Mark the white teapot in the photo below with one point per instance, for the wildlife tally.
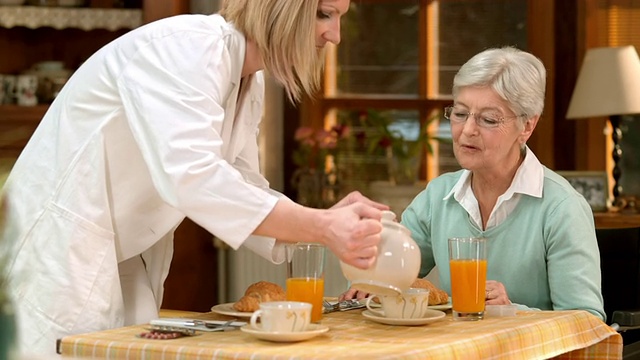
(397, 264)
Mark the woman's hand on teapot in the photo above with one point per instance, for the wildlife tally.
(496, 293)
(353, 294)
(353, 233)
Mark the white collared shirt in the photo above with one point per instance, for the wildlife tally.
(528, 181)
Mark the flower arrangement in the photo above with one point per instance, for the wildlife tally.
(314, 145)
(314, 180)
(403, 152)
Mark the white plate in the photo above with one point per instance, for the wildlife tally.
(442, 307)
(227, 309)
(312, 331)
(431, 316)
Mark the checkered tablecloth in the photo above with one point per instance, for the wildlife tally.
(529, 335)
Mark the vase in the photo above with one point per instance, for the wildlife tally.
(309, 184)
(8, 331)
(403, 170)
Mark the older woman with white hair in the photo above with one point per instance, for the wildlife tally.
(542, 247)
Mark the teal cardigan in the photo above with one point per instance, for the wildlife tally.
(545, 252)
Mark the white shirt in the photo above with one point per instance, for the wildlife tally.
(146, 132)
(528, 180)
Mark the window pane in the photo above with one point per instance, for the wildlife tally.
(469, 26)
(379, 49)
(362, 156)
(380, 52)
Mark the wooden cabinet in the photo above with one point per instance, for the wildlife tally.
(32, 34)
(619, 242)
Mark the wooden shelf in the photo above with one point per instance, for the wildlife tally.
(17, 123)
(609, 220)
(34, 17)
(22, 114)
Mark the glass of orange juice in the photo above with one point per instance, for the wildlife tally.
(468, 270)
(305, 276)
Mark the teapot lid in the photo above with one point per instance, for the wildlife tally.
(389, 220)
(388, 215)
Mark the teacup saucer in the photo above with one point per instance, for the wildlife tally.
(430, 317)
(312, 331)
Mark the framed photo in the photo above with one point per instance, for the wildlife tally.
(593, 185)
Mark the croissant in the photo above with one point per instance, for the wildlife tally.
(257, 293)
(436, 296)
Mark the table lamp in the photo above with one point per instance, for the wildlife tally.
(608, 85)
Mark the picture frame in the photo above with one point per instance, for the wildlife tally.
(593, 185)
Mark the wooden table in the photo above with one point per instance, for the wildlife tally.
(529, 335)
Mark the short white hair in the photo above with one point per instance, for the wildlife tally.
(517, 76)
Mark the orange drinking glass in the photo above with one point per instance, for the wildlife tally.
(468, 270)
(305, 276)
(309, 290)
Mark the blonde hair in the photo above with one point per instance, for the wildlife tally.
(284, 32)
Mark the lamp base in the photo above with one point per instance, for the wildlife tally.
(616, 155)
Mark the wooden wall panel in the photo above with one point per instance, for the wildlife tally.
(541, 34)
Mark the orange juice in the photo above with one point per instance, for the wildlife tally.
(309, 290)
(468, 280)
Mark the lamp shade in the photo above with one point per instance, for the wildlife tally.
(608, 84)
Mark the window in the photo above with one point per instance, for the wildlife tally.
(400, 56)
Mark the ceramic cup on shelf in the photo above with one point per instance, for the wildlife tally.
(52, 75)
(26, 87)
(8, 89)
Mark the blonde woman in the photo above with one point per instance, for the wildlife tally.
(160, 125)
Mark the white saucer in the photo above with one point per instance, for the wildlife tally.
(442, 307)
(227, 309)
(430, 317)
(312, 331)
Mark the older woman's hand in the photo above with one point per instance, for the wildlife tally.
(496, 294)
(353, 294)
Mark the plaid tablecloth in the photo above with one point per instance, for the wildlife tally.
(529, 335)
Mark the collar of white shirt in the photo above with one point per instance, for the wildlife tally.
(527, 181)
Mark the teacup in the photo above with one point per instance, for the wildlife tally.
(282, 316)
(412, 303)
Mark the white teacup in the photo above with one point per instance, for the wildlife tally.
(282, 316)
(413, 303)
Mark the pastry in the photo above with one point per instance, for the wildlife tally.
(436, 296)
(256, 293)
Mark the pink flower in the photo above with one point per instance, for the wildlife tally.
(302, 133)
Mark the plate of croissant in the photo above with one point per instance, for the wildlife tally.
(256, 293)
(438, 298)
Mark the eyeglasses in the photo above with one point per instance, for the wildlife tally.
(484, 120)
